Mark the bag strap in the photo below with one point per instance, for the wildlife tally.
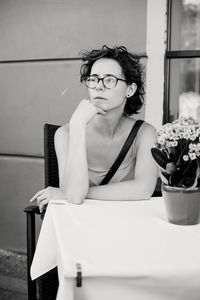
(123, 152)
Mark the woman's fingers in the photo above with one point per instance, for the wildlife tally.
(42, 204)
(44, 196)
(100, 111)
(37, 195)
(99, 108)
(41, 198)
(84, 112)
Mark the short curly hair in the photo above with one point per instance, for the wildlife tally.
(131, 67)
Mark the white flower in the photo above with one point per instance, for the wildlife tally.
(161, 140)
(186, 135)
(191, 147)
(192, 156)
(174, 143)
(193, 137)
(181, 139)
(176, 137)
(168, 144)
(185, 157)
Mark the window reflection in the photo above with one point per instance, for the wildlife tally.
(189, 105)
(185, 25)
(185, 88)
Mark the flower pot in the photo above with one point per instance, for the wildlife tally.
(182, 205)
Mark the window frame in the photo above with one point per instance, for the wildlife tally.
(169, 55)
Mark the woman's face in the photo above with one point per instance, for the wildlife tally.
(108, 99)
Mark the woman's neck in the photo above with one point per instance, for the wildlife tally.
(108, 124)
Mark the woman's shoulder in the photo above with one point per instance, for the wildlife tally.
(62, 133)
(64, 129)
(148, 128)
(145, 126)
(146, 132)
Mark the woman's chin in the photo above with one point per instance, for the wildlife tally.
(98, 102)
(100, 105)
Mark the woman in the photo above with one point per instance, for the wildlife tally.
(87, 146)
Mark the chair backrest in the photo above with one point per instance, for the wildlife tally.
(157, 192)
(47, 284)
(50, 159)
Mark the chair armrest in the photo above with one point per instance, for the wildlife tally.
(32, 209)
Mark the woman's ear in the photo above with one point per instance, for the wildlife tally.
(131, 90)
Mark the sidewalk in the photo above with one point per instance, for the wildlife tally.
(13, 285)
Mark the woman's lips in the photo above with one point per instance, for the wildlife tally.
(100, 98)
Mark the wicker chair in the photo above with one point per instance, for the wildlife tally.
(45, 287)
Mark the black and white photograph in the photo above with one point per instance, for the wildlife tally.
(100, 150)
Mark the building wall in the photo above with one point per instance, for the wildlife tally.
(39, 59)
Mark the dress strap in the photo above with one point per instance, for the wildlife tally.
(123, 152)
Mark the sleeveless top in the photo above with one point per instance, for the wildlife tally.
(124, 172)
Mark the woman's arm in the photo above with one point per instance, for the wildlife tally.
(72, 161)
(70, 149)
(70, 145)
(146, 173)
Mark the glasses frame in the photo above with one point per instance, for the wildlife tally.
(102, 79)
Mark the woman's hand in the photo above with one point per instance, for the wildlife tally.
(85, 112)
(44, 196)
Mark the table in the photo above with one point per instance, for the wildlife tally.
(126, 249)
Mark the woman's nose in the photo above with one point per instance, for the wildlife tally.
(99, 85)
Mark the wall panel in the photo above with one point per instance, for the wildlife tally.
(31, 95)
(20, 179)
(50, 28)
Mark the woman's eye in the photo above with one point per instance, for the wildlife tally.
(92, 79)
(109, 79)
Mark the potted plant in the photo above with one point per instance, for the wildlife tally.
(177, 153)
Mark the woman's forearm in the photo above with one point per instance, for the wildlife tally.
(74, 182)
(125, 190)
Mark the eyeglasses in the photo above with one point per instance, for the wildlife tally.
(109, 82)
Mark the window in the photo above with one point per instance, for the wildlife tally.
(182, 68)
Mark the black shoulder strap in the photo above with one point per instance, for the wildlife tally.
(122, 154)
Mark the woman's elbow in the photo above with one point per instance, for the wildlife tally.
(75, 200)
(75, 196)
(146, 191)
(145, 195)
(73, 193)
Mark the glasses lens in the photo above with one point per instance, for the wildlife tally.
(91, 82)
(110, 82)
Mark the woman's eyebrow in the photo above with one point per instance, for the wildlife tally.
(94, 75)
(107, 74)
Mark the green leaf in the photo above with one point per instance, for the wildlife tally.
(160, 157)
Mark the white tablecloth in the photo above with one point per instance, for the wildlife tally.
(127, 250)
